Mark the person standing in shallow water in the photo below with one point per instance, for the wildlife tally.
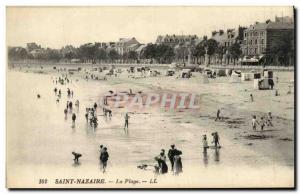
(218, 115)
(177, 165)
(205, 144)
(126, 122)
(172, 153)
(251, 98)
(73, 119)
(104, 158)
(87, 117)
(161, 159)
(216, 139)
(66, 113)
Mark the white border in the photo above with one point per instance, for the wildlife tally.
(5, 3)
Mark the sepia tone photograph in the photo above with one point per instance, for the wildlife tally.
(147, 97)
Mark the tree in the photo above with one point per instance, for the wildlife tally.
(180, 52)
(220, 51)
(211, 46)
(52, 55)
(281, 49)
(88, 52)
(199, 51)
(132, 55)
(235, 51)
(149, 52)
(101, 54)
(17, 53)
(113, 55)
(69, 52)
(164, 53)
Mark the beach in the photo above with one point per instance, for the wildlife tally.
(41, 139)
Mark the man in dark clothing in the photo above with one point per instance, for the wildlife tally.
(216, 139)
(271, 83)
(70, 105)
(251, 98)
(126, 122)
(104, 158)
(66, 113)
(218, 115)
(86, 116)
(76, 156)
(172, 153)
(95, 106)
(73, 119)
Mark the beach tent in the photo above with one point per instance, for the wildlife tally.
(186, 73)
(208, 72)
(236, 72)
(247, 76)
(235, 77)
(220, 72)
(261, 84)
(228, 72)
(268, 74)
(170, 72)
(151, 73)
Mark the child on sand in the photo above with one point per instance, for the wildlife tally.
(254, 123)
(262, 123)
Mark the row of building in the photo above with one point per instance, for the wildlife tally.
(253, 40)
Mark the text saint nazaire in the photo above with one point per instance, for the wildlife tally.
(79, 181)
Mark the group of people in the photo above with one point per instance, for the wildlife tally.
(174, 156)
(103, 157)
(70, 93)
(91, 116)
(69, 109)
(216, 142)
(61, 80)
(262, 123)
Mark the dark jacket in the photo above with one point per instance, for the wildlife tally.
(162, 164)
(104, 156)
(173, 152)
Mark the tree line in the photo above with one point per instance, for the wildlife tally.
(280, 52)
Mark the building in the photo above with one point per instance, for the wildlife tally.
(32, 46)
(285, 19)
(173, 40)
(260, 35)
(219, 36)
(37, 53)
(124, 45)
(140, 50)
(231, 37)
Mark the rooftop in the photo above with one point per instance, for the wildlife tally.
(271, 25)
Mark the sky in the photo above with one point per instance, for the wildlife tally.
(55, 27)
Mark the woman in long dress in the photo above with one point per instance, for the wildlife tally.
(177, 165)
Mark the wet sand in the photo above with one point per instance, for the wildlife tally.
(41, 139)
